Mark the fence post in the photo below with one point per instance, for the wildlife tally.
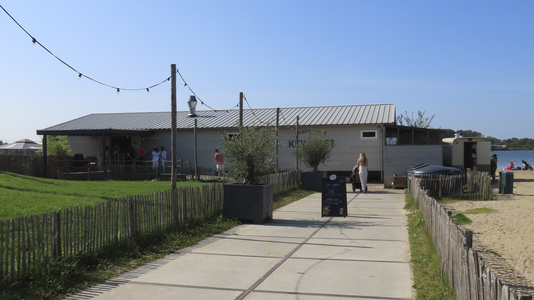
(56, 234)
(469, 238)
(133, 216)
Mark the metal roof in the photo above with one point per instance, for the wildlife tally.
(155, 121)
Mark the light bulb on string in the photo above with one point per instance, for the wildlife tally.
(34, 41)
(118, 91)
(147, 90)
(79, 76)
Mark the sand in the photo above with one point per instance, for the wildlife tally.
(505, 239)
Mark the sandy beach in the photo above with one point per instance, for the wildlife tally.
(505, 239)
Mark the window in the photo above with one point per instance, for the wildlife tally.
(368, 134)
(233, 136)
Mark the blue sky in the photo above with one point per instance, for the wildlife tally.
(469, 63)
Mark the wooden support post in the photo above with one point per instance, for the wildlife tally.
(297, 144)
(276, 140)
(469, 238)
(196, 161)
(173, 125)
(45, 157)
(240, 109)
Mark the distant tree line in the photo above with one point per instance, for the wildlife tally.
(421, 121)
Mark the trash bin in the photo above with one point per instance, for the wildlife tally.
(506, 182)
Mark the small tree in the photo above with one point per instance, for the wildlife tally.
(57, 145)
(251, 153)
(316, 150)
(419, 121)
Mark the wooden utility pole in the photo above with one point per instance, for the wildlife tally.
(297, 143)
(276, 140)
(173, 125)
(240, 109)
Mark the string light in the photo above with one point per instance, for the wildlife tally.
(80, 75)
(244, 97)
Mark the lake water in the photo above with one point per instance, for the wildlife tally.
(506, 156)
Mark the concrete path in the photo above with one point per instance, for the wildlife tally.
(297, 255)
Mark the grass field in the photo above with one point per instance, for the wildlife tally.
(25, 195)
(57, 278)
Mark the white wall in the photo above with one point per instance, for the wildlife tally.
(399, 158)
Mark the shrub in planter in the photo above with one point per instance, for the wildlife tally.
(313, 152)
(316, 150)
(249, 154)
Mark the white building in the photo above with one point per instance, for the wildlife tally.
(372, 129)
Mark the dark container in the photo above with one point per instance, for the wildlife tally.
(248, 202)
(312, 181)
(506, 182)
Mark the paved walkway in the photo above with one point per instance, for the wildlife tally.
(297, 255)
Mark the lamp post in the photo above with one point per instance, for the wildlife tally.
(192, 103)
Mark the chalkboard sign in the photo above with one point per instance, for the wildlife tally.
(334, 197)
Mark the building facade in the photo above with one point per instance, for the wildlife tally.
(352, 129)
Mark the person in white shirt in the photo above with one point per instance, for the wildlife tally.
(155, 158)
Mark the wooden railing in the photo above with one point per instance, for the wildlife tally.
(467, 273)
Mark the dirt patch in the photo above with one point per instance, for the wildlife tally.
(505, 239)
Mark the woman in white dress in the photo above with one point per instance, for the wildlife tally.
(362, 170)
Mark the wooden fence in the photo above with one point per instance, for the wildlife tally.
(31, 165)
(468, 276)
(27, 241)
(282, 180)
(472, 185)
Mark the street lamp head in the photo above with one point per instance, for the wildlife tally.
(192, 106)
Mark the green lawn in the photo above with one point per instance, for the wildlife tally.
(25, 195)
(59, 278)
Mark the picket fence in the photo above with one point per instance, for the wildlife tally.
(467, 273)
(25, 242)
(471, 185)
(282, 180)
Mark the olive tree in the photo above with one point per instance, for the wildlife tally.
(251, 153)
(316, 150)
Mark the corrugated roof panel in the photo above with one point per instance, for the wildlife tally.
(308, 116)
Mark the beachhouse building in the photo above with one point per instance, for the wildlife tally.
(371, 128)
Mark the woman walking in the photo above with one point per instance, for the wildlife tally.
(362, 170)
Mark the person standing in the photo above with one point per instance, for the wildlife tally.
(141, 155)
(155, 158)
(219, 161)
(493, 166)
(362, 170)
(163, 157)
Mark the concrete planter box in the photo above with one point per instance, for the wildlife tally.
(311, 181)
(248, 202)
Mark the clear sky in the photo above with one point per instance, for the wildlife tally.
(469, 63)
